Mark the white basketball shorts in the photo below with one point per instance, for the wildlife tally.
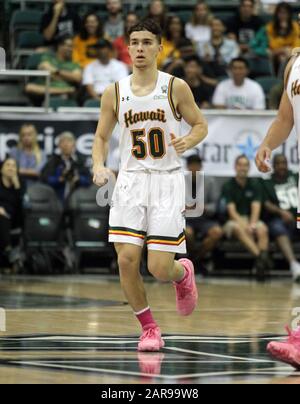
(149, 206)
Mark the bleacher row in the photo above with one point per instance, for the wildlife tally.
(25, 38)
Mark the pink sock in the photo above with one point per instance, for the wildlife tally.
(145, 318)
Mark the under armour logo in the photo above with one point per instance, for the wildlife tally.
(127, 99)
(164, 89)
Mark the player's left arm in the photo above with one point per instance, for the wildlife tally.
(190, 112)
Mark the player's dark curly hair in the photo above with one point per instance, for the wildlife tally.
(148, 25)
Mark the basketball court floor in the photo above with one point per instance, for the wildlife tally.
(79, 329)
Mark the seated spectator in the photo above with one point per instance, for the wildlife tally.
(219, 51)
(200, 86)
(239, 92)
(204, 228)
(60, 21)
(158, 12)
(114, 26)
(91, 33)
(278, 38)
(28, 154)
(281, 202)
(122, 42)
(199, 29)
(98, 75)
(11, 196)
(67, 171)
(65, 74)
(173, 35)
(242, 197)
(244, 26)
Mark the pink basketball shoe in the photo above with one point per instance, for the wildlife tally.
(186, 291)
(151, 340)
(288, 351)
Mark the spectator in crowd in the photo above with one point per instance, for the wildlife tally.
(11, 197)
(242, 197)
(205, 228)
(104, 71)
(244, 26)
(219, 51)
(28, 154)
(114, 26)
(67, 171)
(239, 92)
(58, 22)
(158, 12)
(278, 38)
(122, 42)
(280, 195)
(198, 30)
(199, 84)
(65, 74)
(173, 35)
(91, 32)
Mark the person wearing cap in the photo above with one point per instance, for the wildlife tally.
(106, 70)
(66, 171)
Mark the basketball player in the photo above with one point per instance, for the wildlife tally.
(288, 116)
(149, 106)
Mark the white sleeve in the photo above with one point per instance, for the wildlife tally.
(219, 97)
(88, 76)
(260, 99)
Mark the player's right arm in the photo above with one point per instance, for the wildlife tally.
(280, 128)
(106, 125)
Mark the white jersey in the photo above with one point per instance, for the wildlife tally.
(293, 91)
(146, 125)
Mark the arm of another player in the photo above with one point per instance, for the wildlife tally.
(190, 112)
(279, 130)
(106, 124)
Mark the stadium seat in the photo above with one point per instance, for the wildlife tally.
(11, 94)
(58, 102)
(89, 224)
(267, 83)
(30, 40)
(22, 20)
(43, 237)
(33, 61)
(92, 103)
(261, 67)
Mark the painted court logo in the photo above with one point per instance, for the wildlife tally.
(2, 320)
(2, 59)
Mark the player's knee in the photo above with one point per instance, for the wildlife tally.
(262, 231)
(159, 270)
(126, 262)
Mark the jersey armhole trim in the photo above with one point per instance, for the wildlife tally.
(177, 116)
(117, 89)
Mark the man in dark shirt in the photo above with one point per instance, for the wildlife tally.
(280, 195)
(199, 84)
(67, 171)
(244, 25)
(242, 197)
(59, 21)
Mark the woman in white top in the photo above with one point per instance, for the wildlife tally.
(199, 29)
